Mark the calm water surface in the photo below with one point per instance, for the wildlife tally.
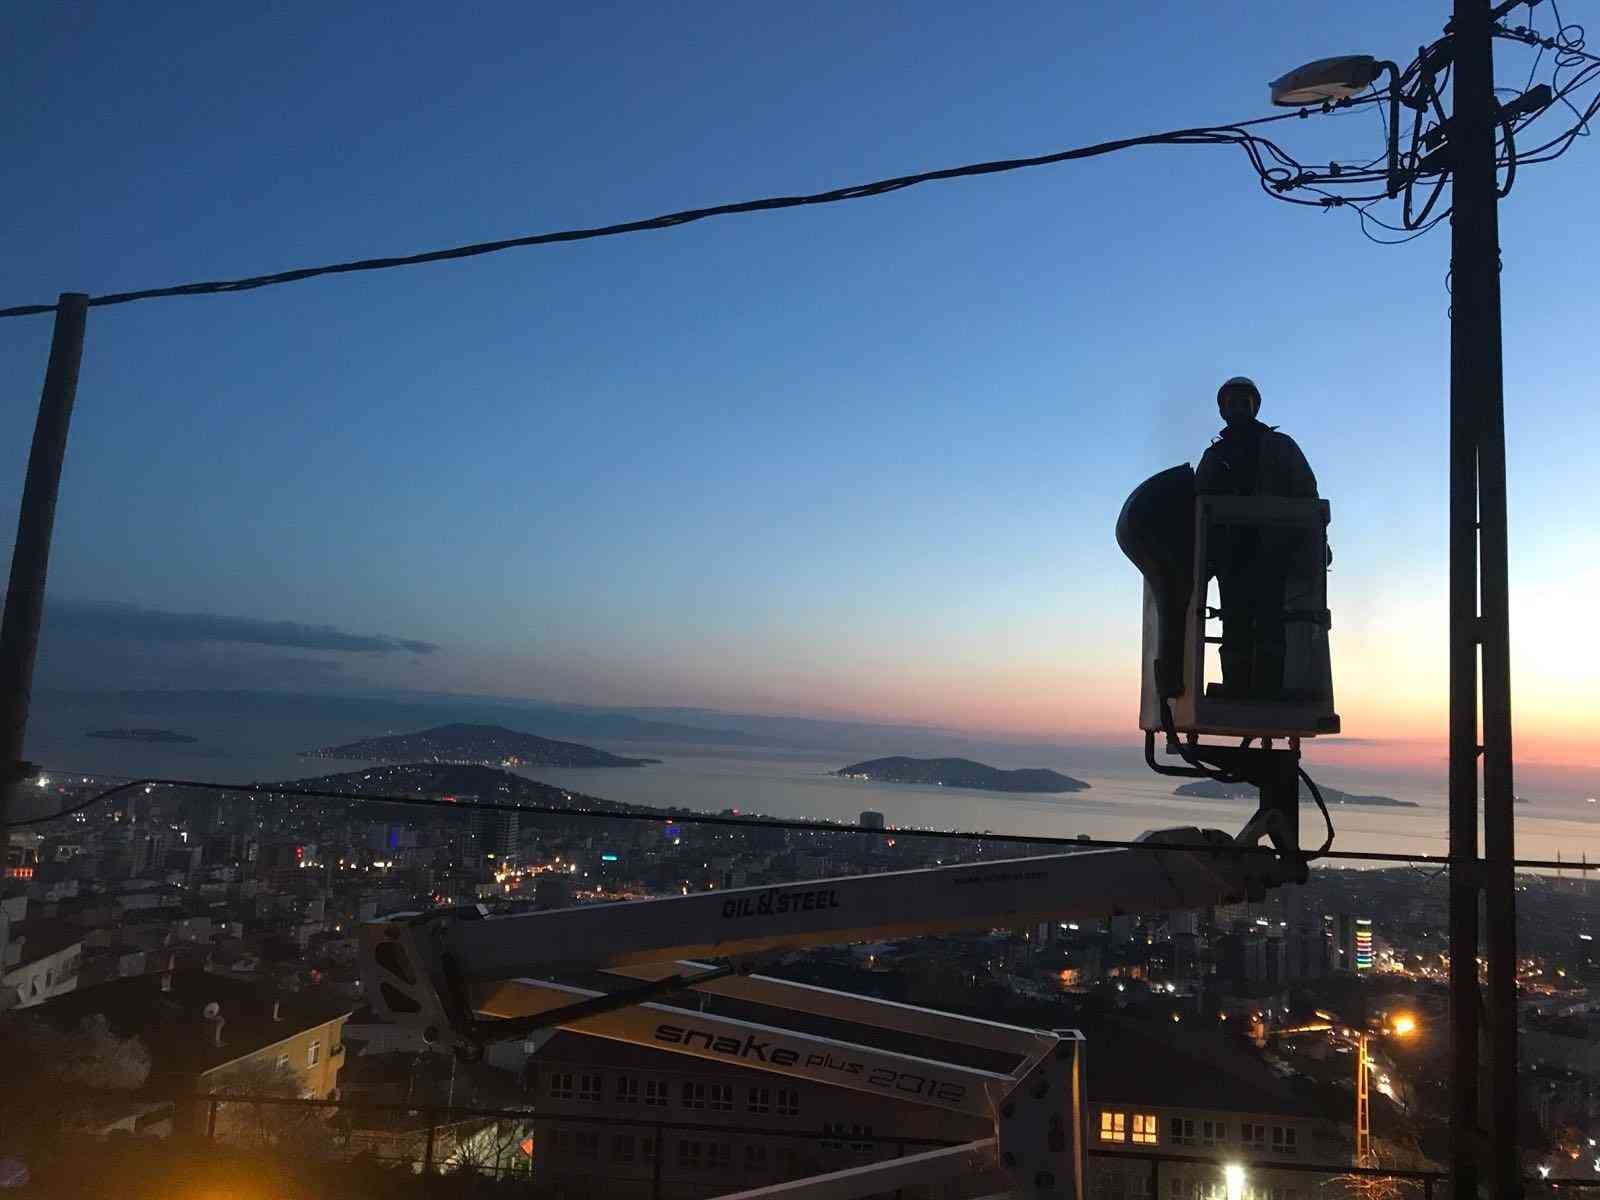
(1119, 804)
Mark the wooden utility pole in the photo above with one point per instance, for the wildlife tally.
(30, 560)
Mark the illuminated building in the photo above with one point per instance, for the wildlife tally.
(1363, 947)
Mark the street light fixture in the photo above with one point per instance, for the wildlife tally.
(1233, 1178)
(1325, 81)
(1335, 80)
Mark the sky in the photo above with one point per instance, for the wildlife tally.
(861, 460)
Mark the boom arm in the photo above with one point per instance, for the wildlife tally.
(429, 972)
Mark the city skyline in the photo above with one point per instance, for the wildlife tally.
(690, 468)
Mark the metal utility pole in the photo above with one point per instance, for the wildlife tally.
(1363, 1106)
(30, 560)
(1479, 624)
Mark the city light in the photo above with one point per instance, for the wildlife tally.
(1405, 1024)
(1544, 1171)
(1233, 1177)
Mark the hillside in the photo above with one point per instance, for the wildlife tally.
(463, 782)
(483, 745)
(961, 773)
(1210, 789)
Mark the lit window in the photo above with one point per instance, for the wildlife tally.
(1113, 1127)
(313, 1054)
(1144, 1129)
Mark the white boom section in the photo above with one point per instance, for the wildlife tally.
(972, 1160)
(830, 1060)
(790, 996)
(1036, 1105)
(418, 972)
(444, 973)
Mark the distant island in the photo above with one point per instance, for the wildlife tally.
(141, 735)
(961, 773)
(1210, 789)
(475, 745)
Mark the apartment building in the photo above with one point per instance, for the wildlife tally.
(1199, 1094)
(209, 1033)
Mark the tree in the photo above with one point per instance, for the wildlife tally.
(285, 1126)
(47, 1072)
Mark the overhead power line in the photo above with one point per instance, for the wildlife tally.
(665, 816)
(1278, 172)
(1259, 150)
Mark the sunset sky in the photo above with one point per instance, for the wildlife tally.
(859, 460)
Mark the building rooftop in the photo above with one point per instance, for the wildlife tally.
(169, 1016)
(1189, 1067)
(40, 937)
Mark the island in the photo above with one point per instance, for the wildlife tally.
(961, 773)
(142, 735)
(1210, 789)
(475, 745)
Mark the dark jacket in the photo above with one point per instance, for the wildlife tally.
(1255, 460)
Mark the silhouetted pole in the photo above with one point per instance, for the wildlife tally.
(1479, 622)
(30, 560)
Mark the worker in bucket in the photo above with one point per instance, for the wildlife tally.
(1252, 563)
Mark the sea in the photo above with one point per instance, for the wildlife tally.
(1122, 801)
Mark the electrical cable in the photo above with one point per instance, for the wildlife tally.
(1316, 794)
(1232, 134)
(668, 816)
(1277, 172)
(80, 807)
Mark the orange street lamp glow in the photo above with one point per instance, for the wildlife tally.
(1405, 1025)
